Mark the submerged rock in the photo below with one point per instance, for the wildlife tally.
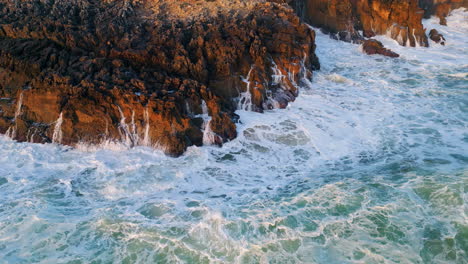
(164, 74)
(372, 46)
(435, 36)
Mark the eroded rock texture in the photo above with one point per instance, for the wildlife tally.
(154, 73)
(400, 19)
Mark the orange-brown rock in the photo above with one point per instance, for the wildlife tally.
(441, 8)
(154, 73)
(400, 19)
(372, 46)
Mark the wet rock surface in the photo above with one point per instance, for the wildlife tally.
(343, 19)
(372, 46)
(435, 36)
(165, 74)
(171, 74)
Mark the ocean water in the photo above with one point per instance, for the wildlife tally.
(369, 165)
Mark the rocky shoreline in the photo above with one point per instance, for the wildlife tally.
(400, 19)
(169, 74)
(128, 71)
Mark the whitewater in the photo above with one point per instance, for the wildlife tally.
(368, 165)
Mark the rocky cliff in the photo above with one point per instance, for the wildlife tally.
(400, 19)
(171, 74)
(168, 74)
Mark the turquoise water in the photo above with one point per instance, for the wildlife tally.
(369, 165)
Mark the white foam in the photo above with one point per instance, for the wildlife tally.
(245, 98)
(209, 136)
(11, 131)
(146, 138)
(18, 107)
(57, 133)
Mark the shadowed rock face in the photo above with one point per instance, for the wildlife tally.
(400, 19)
(441, 8)
(155, 73)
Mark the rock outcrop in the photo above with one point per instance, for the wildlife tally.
(372, 46)
(400, 19)
(435, 36)
(168, 74)
(441, 8)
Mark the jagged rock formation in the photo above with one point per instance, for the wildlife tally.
(441, 8)
(372, 46)
(154, 73)
(167, 73)
(400, 19)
